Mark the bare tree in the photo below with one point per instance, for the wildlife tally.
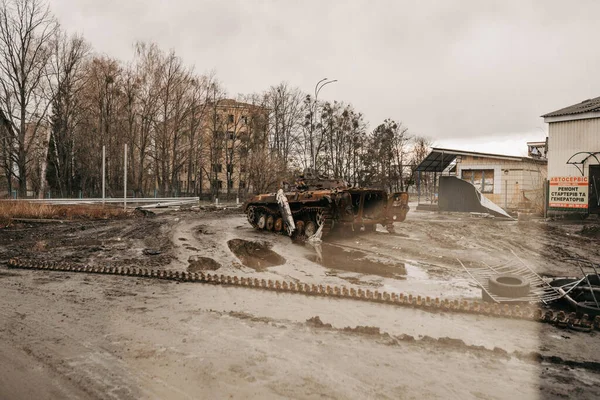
(265, 168)
(199, 106)
(26, 30)
(421, 147)
(68, 63)
(313, 141)
(103, 124)
(285, 105)
(383, 161)
(214, 128)
(147, 65)
(400, 152)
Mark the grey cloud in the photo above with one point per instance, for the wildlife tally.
(447, 69)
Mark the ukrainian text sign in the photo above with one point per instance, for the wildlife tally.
(568, 192)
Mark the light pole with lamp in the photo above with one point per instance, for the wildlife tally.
(320, 85)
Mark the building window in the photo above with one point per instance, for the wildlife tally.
(217, 184)
(216, 167)
(230, 184)
(242, 185)
(230, 168)
(243, 151)
(231, 135)
(483, 180)
(242, 168)
(244, 119)
(230, 118)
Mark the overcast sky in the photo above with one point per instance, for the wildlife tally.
(474, 75)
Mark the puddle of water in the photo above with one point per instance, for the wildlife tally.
(256, 255)
(339, 259)
(197, 264)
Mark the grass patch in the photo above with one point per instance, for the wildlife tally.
(10, 210)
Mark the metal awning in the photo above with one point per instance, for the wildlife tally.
(437, 161)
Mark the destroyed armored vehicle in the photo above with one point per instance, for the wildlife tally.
(320, 205)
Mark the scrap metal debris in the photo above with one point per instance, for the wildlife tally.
(539, 291)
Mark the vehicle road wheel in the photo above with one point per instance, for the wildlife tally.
(310, 229)
(278, 224)
(251, 215)
(512, 286)
(299, 227)
(262, 221)
(270, 222)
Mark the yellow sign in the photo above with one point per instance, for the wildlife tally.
(569, 192)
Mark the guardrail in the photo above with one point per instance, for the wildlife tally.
(149, 201)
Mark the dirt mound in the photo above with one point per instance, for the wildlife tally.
(256, 255)
(316, 322)
(365, 330)
(197, 264)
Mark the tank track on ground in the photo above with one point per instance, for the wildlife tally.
(532, 313)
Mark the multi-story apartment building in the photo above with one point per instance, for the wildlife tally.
(230, 131)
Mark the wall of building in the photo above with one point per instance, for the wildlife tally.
(567, 138)
(515, 181)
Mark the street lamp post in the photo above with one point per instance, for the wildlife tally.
(320, 85)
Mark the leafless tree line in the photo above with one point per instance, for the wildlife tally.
(61, 103)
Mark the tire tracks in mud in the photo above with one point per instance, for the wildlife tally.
(442, 343)
(87, 370)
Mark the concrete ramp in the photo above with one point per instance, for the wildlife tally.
(461, 196)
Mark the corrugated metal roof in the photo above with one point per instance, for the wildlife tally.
(439, 159)
(589, 105)
(436, 161)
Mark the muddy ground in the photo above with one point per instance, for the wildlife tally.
(88, 336)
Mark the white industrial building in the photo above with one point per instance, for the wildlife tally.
(511, 182)
(574, 157)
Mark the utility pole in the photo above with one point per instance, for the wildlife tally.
(103, 173)
(125, 177)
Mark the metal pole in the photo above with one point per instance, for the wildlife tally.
(125, 178)
(103, 173)
(545, 198)
(317, 90)
(434, 186)
(313, 118)
(419, 187)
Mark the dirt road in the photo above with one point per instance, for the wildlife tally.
(89, 336)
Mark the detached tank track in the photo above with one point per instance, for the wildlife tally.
(532, 313)
(327, 227)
